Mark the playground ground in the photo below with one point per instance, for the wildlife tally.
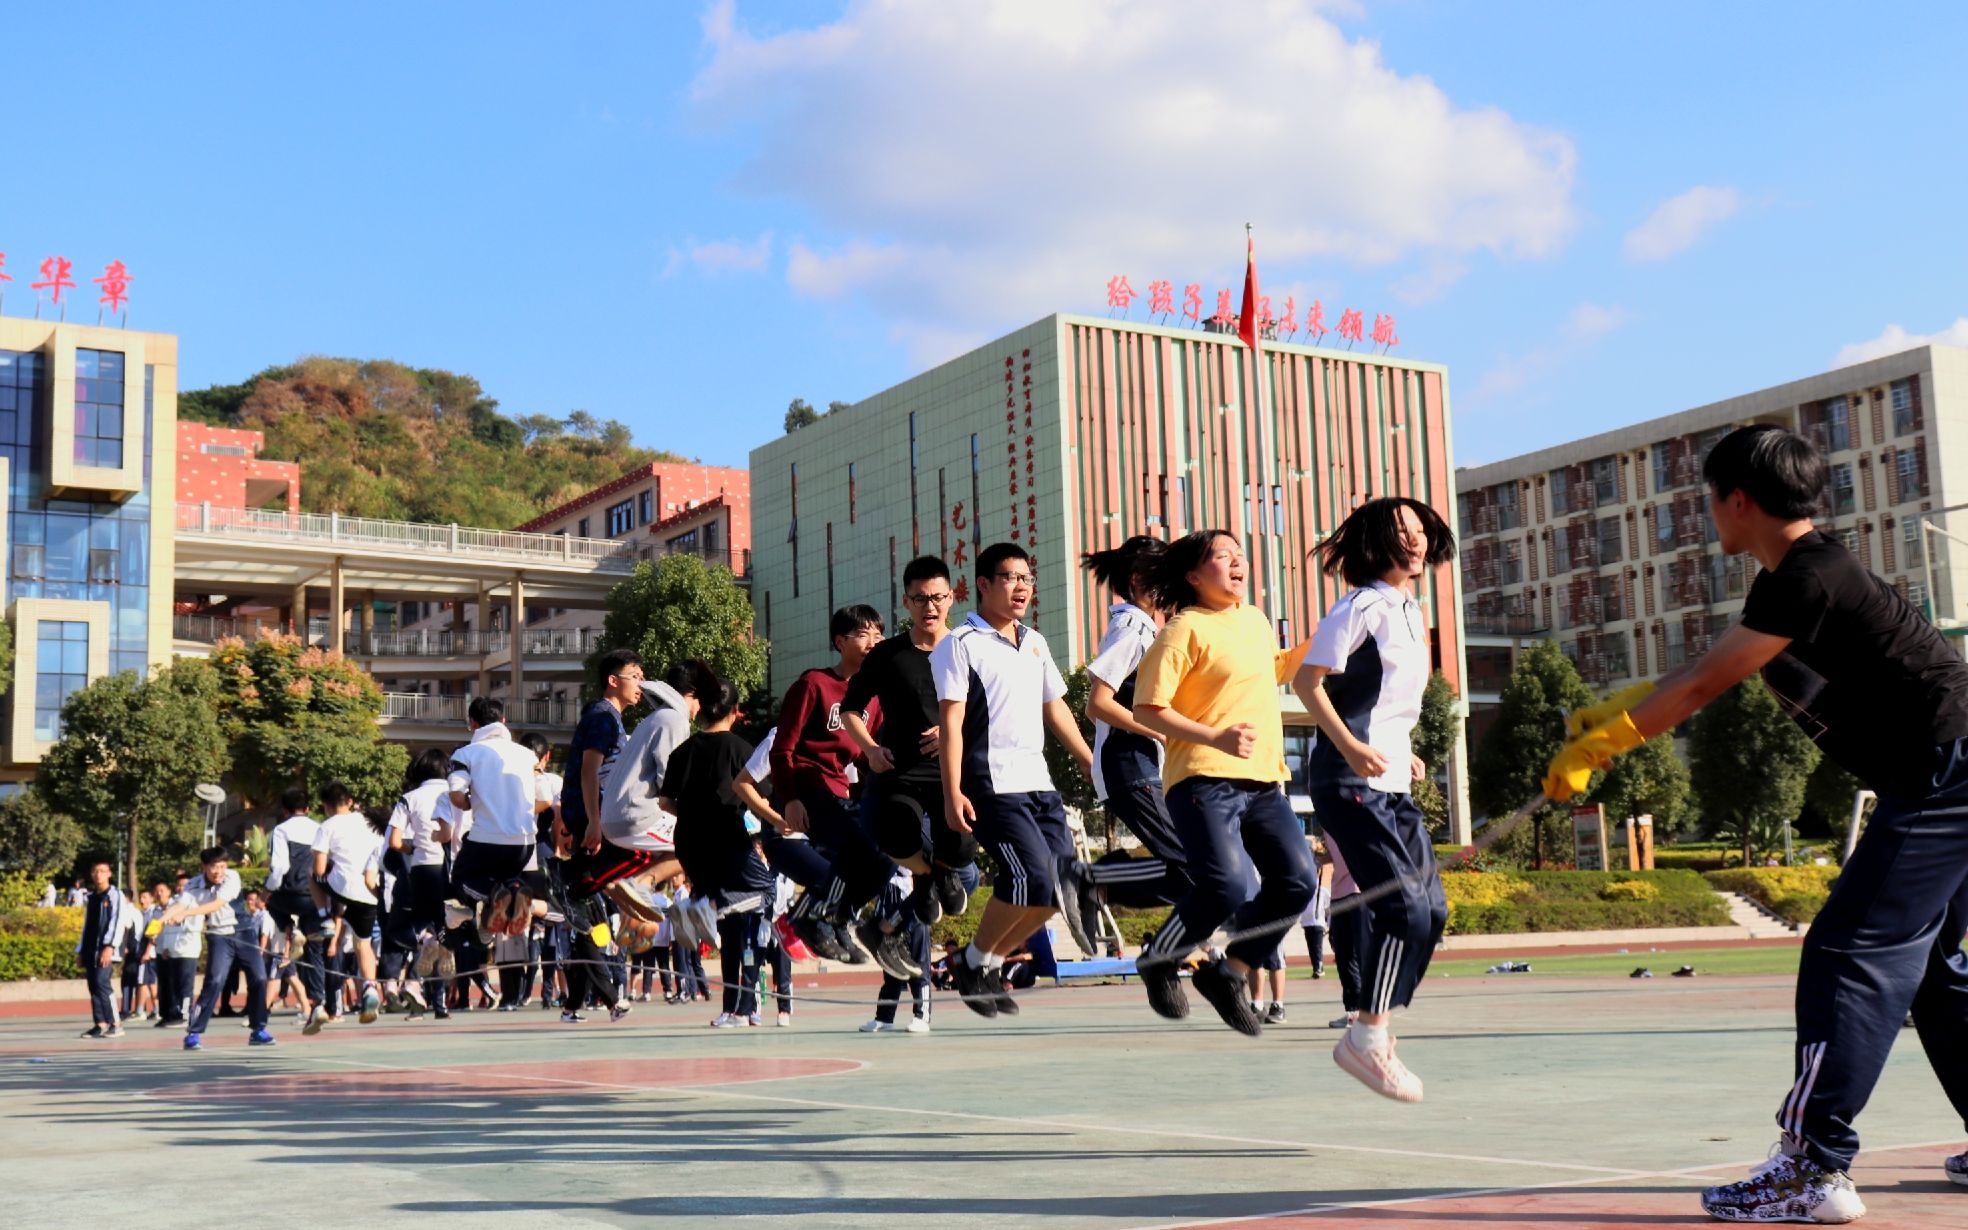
(1560, 1099)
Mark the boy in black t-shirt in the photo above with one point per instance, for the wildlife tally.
(1879, 689)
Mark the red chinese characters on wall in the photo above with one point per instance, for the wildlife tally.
(1352, 325)
(115, 281)
(55, 276)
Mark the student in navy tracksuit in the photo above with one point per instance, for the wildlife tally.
(290, 897)
(1362, 683)
(1881, 691)
(97, 949)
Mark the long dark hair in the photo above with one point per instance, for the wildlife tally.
(431, 764)
(1168, 574)
(1122, 568)
(1368, 543)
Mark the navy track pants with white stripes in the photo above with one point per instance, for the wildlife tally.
(1384, 840)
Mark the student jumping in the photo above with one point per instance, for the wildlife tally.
(348, 852)
(1362, 683)
(1209, 686)
(1880, 690)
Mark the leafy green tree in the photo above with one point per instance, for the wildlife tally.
(130, 752)
(1509, 764)
(1434, 740)
(835, 407)
(1649, 780)
(6, 656)
(799, 414)
(1828, 802)
(1750, 766)
(297, 715)
(680, 607)
(36, 838)
(1075, 788)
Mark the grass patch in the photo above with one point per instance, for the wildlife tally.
(1499, 902)
(1773, 959)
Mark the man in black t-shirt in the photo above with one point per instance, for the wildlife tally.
(1879, 689)
(903, 800)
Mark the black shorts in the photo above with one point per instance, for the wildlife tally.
(908, 823)
(359, 915)
(483, 868)
(289, 908)
(1028, 836)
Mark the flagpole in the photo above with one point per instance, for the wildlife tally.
(1266, 460)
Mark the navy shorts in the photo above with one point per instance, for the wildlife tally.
(1027, 836)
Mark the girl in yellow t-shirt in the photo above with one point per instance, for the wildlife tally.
(1209, 686)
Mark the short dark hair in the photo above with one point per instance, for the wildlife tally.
(1780, 471)
(378, 818)
(334, 794)
(534, 742)
(1368, 543)
(993, 557)
(1168, 577)
(693, 677)
(294, 800)
(212, 854)
(924, 568)
(251, 892)
(1118, 567)
(431, 764)
(849, 620)
(485, 711)
(614, 661)
(100, 861)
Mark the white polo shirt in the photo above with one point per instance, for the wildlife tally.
(1130, 631)
(498, 775)
(416, 816)
(1005, 684)
(199, 891)
(352, 848)
(1374, 643)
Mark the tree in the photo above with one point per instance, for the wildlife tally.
(1509, 764)
(1649, 780)
(1750, 764)
(1075, 788)
(835, 407)
(1434, 740)
(130, 752)
(297, 715)
(680, 607)
(36, 838)
(799, 414)
(6, 656)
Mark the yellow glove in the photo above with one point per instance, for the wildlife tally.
(1572, 768)
(1582, 720)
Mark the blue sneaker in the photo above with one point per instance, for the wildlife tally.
(260, 1037)
(191, 1042)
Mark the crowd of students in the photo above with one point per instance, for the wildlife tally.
(856, 823)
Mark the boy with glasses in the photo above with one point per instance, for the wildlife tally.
(999, 691)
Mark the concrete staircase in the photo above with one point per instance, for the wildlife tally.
(1759, 922)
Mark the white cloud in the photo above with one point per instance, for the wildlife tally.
(1679, 223)
(722, 256)
(968, 167)
(1583, 327)
(1896, 339)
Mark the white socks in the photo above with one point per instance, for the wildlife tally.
(1367, 1037)
(982, 960)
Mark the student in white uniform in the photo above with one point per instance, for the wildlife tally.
(348, 853)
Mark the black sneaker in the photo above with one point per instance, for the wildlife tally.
(892, 954)
(1274, 1015)
(974, 985)
(1079, 905)
(929, 910)
(950, 892)
(1164, 987)
(1007, 1006)
(1229, 995)
(822, 937)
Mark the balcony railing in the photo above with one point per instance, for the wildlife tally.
(441, 710)
(1503, 625)
(427, 643)
(454, 541)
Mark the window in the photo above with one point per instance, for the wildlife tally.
(61, 669)
(915, 521)
(581, 529)
(223, 450)
(1605, 481)
(851, 517)
(1677, 650)
(1561, 548)
(1609, 540)
(621, 518)
(1838, 424)
(711, 538)
(1912, 474)
(1844, 497)
(1906, 413)
(1560, 497)
(793, 530)
(1917, 594)
(98, 408)
(1609, 600)
(976, 504)
(646, 507)
(1663, 468)
(1510, 565)
(1510, 514)
(1728, 578)
(1849, 539)
(686, 543)
(1910, 540)
(1618, 663)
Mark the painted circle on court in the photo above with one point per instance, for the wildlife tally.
(504, 1080)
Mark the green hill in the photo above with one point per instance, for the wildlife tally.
(378, 439)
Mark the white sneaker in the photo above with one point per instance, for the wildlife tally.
(785, 1020)
(918, 1025)
(1787, 1188)
(414, 993)
(878, 1027)
(372, 1006)
(724, 1020)
(1378, 1068)
(316, 1020)
(754, 1021)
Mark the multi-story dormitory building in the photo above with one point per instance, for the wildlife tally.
(1605, 545)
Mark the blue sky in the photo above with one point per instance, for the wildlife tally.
(681, 215)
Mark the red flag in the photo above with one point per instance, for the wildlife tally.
(1247, 322)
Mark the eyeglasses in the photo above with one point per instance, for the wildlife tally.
(942, 599)
(1015, 578)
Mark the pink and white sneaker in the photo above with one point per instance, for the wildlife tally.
(1378, 1068)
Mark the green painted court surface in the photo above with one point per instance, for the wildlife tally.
(1553, 1101)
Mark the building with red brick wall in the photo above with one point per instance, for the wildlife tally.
(221, 466)
(662, 494)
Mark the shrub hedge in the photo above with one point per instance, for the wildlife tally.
(38, 943)
(1495, 903)
(1795, 894)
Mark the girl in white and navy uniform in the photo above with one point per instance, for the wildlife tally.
(1362, 683)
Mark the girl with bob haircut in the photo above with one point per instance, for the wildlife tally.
(1362, 683)
(1209, 687)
